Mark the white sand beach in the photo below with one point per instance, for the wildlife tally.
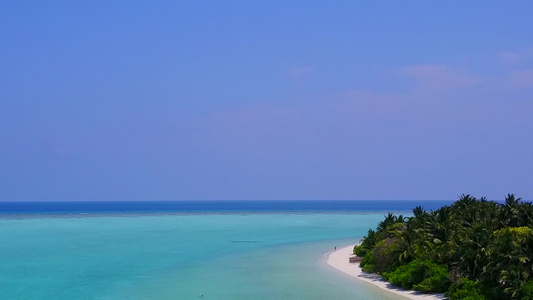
(339, 260)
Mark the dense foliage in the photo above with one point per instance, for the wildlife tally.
(472, 249)
(526, 291)
(420, 275)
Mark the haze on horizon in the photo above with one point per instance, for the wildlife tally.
(186, 100)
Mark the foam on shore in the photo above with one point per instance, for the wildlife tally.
(339, 260)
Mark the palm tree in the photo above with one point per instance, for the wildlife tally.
(510, 213)
(390, 219)
(472, 255)
(465, 208)
(526, 214)
(409, 238)
(370, 240)
(439, 230)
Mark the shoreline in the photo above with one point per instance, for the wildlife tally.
(339, 260)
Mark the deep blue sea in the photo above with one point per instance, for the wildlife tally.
(214, 206)
(224, 250)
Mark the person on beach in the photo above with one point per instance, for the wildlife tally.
(335, 248)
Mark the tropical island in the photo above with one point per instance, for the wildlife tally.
(472, 249)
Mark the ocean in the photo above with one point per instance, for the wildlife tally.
(224, 250)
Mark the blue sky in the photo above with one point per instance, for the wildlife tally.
(172, 100)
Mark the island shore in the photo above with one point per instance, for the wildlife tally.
(339, 260)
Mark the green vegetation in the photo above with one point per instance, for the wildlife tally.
(420, 275)
(472, 249)
(526, 291)
(466, 289)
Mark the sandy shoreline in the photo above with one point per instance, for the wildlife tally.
(339, 260)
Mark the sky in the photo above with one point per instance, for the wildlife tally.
(258, 100)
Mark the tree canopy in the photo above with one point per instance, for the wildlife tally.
(472, 249)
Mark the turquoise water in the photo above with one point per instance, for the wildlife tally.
(220, 256)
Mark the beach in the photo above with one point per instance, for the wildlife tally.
(339, 260)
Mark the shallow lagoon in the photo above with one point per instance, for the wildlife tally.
(221, 256)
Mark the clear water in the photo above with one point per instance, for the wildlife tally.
(221, 256)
